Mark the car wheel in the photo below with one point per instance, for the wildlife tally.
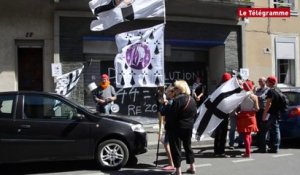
(112, 154)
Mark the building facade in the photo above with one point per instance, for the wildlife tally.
(202, 38)
(272, 44)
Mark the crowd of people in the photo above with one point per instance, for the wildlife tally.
(258, 113)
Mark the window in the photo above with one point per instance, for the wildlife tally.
(294, 98)
(44, 107)
(285, 54)
(6, 106)
(287, 3)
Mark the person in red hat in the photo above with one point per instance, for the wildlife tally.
(270, 119)
(105, 96)
(246, 118)
(225, 77)
(221, 131)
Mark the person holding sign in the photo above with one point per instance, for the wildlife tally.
(105, 95)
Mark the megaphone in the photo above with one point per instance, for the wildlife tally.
(91, 87)
(114, 108)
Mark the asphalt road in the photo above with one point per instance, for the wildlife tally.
(286, 162)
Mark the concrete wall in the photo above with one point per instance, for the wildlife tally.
(16, 19)
(216, 66)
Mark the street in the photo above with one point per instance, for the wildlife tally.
(287, 161)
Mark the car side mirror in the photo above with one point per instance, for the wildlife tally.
(79, 116)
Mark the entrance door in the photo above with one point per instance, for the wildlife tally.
(30, 68)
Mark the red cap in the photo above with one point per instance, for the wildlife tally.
(272, 79)
(248, 85)
(226, 76)
(104, 76)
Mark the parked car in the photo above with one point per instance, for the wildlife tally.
(290, 120)
(39, 126)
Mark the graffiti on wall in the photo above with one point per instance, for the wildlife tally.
(143, 101)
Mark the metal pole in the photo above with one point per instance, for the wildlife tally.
(160, 92)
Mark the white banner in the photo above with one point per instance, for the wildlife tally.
(217, 106)
(140, 62)
(110, 13)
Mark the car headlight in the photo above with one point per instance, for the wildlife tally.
(137, 128)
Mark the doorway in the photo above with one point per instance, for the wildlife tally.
(30, 68)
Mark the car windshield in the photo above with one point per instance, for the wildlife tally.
(294, 98)
(87, 108)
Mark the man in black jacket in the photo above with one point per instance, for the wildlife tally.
(270, 119)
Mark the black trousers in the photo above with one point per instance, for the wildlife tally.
(176, 137)
(220, 137)
(259, 122)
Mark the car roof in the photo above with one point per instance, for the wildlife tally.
(28, 92)
(290, 89)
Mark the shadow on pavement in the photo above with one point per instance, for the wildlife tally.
(290, 143)
(140, 169)
(47, 167)
(70, 166)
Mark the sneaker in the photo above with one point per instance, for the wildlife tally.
(168, 168)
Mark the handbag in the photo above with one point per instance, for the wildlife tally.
(188, 102)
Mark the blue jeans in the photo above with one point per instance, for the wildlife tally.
(271, 126)
(232, 131)
(104, 109)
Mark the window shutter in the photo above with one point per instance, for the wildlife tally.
(285, 48)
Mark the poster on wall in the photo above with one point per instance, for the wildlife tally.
(142, 101)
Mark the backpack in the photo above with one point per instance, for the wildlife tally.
(283, 101)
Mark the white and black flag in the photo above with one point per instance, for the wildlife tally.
(112, 12)
(140, 61)
(217, 106)
(66, 83)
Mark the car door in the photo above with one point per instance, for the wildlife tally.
(7, 127)
(50, 130)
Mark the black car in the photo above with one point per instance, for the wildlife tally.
(40, 126)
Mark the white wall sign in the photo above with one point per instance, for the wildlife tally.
(56, 69)
(244, 72)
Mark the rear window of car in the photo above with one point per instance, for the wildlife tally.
(6, 106)
(294, 98)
